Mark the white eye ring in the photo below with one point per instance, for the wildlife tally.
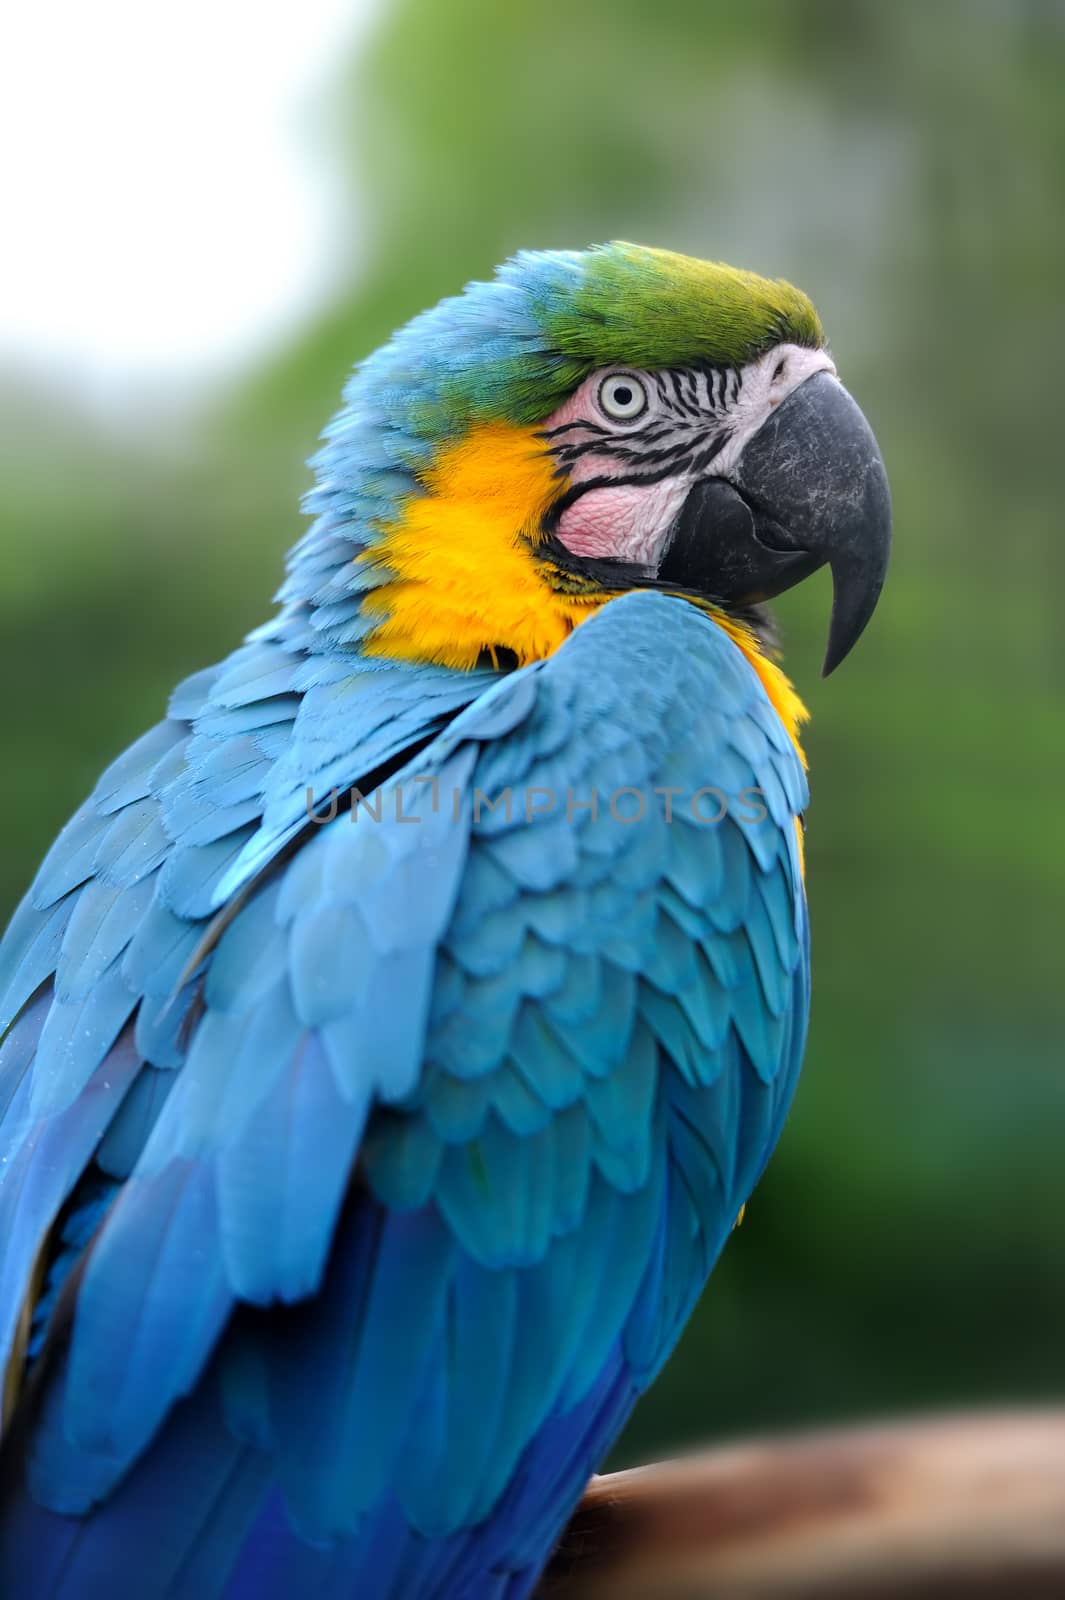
(622, 397)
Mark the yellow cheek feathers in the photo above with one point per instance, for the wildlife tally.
(465, 580)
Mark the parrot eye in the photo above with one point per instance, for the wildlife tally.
(622, 397)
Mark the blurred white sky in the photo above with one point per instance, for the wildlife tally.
(167, 199)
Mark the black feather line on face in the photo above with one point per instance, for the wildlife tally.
(568, 427)
(687, 396)
(681, 457)
(554, 513)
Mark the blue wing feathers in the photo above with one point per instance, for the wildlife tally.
(275, 1236)
(159, 952)
(71, 860)
(128, 779)
(96, 935)
(75, 1037)
(48, 1154)
(152, 1290)
(517, 1103)
(549, 1069)
(190, 874)
(29, 954)
(133, 846)
(127, 1133)
(397, 1205)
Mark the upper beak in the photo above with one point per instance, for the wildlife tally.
(809, 488)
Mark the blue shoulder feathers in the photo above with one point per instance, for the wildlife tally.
(359, 1173)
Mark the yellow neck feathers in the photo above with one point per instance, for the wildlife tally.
(465, 581)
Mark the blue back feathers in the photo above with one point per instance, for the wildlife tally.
(478, 1098)
(357, 1175)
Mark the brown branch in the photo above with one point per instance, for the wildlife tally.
(967, 1508)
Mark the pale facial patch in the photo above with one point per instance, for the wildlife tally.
(629, 475)
(625, 523)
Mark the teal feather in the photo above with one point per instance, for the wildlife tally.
(621, 1102)
(133, 846)
(163, 1026)
(587, 1037)
(127, 1134)
(72, 859)
(479, 1371)
(128, 779)
(160, 951)
(600, 1043)
(543, 1060)
(190, 874)
(75, 1037)
(188, 699)
(470, 1036)
(401, 1155)
(99, 931)
(456, 1108)
(580, 994)
(29, 954)
(275, 1235)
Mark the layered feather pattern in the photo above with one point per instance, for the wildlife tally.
(373, 1204)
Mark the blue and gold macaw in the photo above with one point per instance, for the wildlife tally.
(395, 1034)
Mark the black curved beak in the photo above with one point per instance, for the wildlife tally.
(809, 488)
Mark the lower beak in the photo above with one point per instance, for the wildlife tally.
(809, 488)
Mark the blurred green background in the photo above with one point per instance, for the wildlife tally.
(904, 163)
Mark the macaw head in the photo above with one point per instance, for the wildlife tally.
(585, 424)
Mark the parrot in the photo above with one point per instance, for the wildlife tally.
(392, 1040)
